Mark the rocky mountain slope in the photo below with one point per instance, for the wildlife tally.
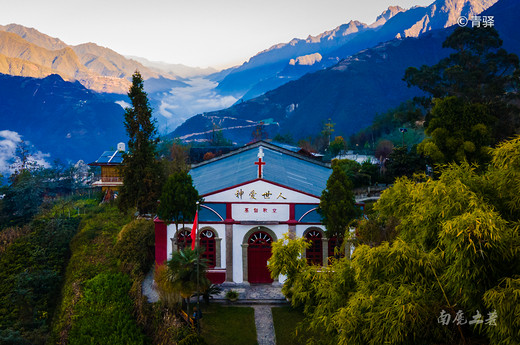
(352, 92)
(28, 52)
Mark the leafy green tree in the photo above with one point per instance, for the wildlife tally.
(370, 170)
(337, 205)
(22, 197)
(359, 174)
(402, 162)
(175, 156)
(374, 230)
(386, 126)
(24, 193)
(458, 131)
(141, 171)
(216, 137)
(287, 259)
(337, 146)
(284, 138)
(472, 97)
(178, 199)
(454, 252)
(321, 292)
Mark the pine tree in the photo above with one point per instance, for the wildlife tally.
(141, 171)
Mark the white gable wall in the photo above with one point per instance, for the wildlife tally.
(252, 192)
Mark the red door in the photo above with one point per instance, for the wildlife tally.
(258, 253)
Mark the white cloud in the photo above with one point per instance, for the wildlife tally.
(181, 103)
(9, 142)
(11, 136)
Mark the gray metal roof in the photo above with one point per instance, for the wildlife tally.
(282, 166)
(109, 157)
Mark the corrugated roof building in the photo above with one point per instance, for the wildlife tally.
(252, 196)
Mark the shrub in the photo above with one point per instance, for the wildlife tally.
(103, 315)
(30, 277)
(167, 293)
(11, 234)
(232, 295)
(135, 246)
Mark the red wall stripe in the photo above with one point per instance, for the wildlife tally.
(161, 238)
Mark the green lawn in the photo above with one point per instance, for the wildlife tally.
(285, 321)
(228, 325)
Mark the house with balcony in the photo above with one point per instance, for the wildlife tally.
(110, 180)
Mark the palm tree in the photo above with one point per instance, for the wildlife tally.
(182, 273)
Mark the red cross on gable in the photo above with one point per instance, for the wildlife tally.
(260, 163)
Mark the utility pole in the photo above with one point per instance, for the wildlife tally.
(403, 130)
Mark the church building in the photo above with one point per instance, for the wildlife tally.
(252, 196)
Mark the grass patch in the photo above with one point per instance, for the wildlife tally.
(228, 325)
(285, 321)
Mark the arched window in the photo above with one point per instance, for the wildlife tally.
(184, 239)
(207, 241)
(314, 253)
(260, 239)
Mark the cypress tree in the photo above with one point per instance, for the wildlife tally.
(141, 171)
(337, 205)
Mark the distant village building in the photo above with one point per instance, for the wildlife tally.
(350, 155)
(110, 163)
(252, 196)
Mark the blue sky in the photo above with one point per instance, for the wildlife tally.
(218, 33)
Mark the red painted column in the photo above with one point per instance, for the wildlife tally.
(292, 221)
(161, 238)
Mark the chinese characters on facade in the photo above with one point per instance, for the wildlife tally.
(253, 195)
(260, 210)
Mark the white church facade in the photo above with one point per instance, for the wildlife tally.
(252, 196)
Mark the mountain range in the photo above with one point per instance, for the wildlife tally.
(27, 52)
(47, 85)
(275, 66)
(354, 90)
(61, 99)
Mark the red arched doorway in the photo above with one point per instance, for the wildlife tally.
(258, 253)
(207, 241)
(314, 253)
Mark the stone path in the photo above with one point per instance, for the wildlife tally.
(148, 288)
(260, 297)
(253, 294)
(264, 325)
